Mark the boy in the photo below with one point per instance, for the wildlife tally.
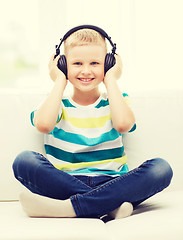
(86, 175)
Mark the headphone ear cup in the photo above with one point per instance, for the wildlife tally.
(109, 62)
(62, 64)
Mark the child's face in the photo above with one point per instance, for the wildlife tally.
(86, 66)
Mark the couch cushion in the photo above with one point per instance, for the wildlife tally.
(159, 118)
(15, 225)
(17, 135)
(159, 218)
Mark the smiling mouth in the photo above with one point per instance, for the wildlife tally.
(85, 79)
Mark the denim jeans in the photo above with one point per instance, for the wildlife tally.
(92, 196)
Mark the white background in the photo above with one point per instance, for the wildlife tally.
(148, 34)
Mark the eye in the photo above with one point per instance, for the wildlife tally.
(77, 63)
(94, 63)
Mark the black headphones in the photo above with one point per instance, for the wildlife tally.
(109, 59)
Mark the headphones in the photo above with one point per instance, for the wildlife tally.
(109, 59)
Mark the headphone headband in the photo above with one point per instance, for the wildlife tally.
(99, 30)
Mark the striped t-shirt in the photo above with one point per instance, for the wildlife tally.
(84, 141)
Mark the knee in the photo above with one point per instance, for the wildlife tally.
(22, 157)
(21, 162)
(162, 170)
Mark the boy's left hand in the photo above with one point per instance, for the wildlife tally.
(115, 72)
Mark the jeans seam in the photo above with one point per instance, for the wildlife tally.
(109, 183)
(80, 181)
(76, 205)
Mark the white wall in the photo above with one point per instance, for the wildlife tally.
(159, 44)
(148, 34)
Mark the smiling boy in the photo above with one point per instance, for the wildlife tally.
(85, 173)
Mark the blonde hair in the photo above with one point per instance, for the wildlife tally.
(84, 37)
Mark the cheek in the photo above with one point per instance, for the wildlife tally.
(100, 73)
(71, 72)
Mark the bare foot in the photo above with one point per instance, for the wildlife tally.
(39, 206)
(125, 210)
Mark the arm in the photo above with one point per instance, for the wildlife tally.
(46, 116)
(122, 116)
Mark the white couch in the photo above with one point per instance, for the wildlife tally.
(159, 117)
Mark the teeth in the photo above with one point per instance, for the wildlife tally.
(85, 79)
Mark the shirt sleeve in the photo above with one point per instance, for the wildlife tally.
(32, 117)
(126, 96)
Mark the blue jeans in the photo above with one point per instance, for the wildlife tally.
(92, 196)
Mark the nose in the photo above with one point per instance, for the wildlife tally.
(86, 69)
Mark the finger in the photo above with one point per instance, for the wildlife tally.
(118, 58)
(56, 59)
(51, 59)
(118, 61)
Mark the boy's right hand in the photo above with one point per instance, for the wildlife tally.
(54, 71)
